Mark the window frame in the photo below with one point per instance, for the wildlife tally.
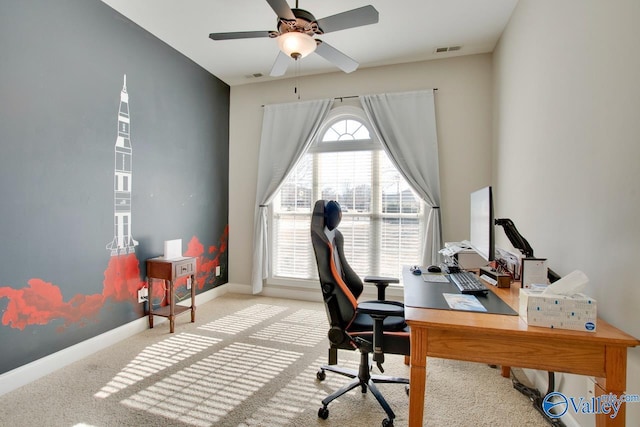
(318, 146)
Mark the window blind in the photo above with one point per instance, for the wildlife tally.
(381, 217)
(380, 220)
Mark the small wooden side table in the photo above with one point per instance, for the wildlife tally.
(169, 270)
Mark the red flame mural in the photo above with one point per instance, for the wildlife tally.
(41, 302)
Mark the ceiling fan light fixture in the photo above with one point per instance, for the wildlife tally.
(296, 44)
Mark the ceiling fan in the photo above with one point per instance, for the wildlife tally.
(296, 29)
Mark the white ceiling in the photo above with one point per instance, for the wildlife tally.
(408, 31)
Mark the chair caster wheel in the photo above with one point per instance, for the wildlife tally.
(321, 375)
(323, 413)
(387, 422)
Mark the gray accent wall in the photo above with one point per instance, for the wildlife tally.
(61, 75)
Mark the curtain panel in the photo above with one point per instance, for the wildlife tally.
(405, 124)
(287, 132)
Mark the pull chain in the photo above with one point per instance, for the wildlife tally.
(295, 89)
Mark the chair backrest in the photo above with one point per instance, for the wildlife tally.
(340, 285)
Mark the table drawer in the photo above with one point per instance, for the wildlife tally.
(185, 268)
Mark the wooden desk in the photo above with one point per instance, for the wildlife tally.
(169, 271)
(508, 341)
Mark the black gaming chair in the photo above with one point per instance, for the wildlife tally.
(376, 327)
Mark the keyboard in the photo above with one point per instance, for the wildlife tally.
(468, 283)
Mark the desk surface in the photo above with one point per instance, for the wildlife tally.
(508, 341)
(513, 325)
(430, 294)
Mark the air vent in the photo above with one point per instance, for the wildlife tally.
(447, 49)
(254, 75)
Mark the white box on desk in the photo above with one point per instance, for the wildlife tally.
(470, 260)
(577, 312)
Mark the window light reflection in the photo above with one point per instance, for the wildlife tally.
(209, 389)
(243, 319)
(156, 358)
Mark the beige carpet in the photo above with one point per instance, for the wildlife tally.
(250, 361)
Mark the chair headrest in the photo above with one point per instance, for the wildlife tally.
(332, 214)
(326, 213)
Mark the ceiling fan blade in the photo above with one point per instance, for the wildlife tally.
(352, 18)
(281, 64)
(282, 9)
(336, 57)
(239, 35)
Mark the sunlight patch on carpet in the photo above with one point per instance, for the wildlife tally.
(304, 327)
(202, 394)
(298, 395)
(243, 319)
(156, 358)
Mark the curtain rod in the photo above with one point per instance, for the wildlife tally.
(341, 98)
(358, 96)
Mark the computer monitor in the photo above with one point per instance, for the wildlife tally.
(481, 223)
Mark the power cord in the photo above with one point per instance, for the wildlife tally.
(536, 398)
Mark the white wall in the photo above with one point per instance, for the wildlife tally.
(563, 83)
(463, 110)
(566, 152)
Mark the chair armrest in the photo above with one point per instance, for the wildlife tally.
(381, 283)
(380, 279)
(381, 309)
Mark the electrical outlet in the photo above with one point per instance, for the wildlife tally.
(217, 270)
(143, 295)
(188, 282)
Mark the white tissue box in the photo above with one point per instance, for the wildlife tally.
(577, 312)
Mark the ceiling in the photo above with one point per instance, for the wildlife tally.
(407, 31)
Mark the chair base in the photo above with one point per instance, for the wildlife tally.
(363, 378)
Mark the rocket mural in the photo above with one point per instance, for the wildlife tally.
(42, 310)
(123, 242)
(40, 302)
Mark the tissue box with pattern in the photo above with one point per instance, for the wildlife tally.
(576, 312)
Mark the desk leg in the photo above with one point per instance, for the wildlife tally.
(505, 371)
(615, 383)
(418, 376)
(193, 298)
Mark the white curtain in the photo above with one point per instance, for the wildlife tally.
(287, 133)
(405, 123)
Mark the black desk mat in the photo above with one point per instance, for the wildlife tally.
(418, 293)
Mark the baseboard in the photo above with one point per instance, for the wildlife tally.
(279, 291)
(293, 293)
(312, 294)
(237, 288)
(25, 374)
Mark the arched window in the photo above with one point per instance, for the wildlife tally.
(381, 220)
